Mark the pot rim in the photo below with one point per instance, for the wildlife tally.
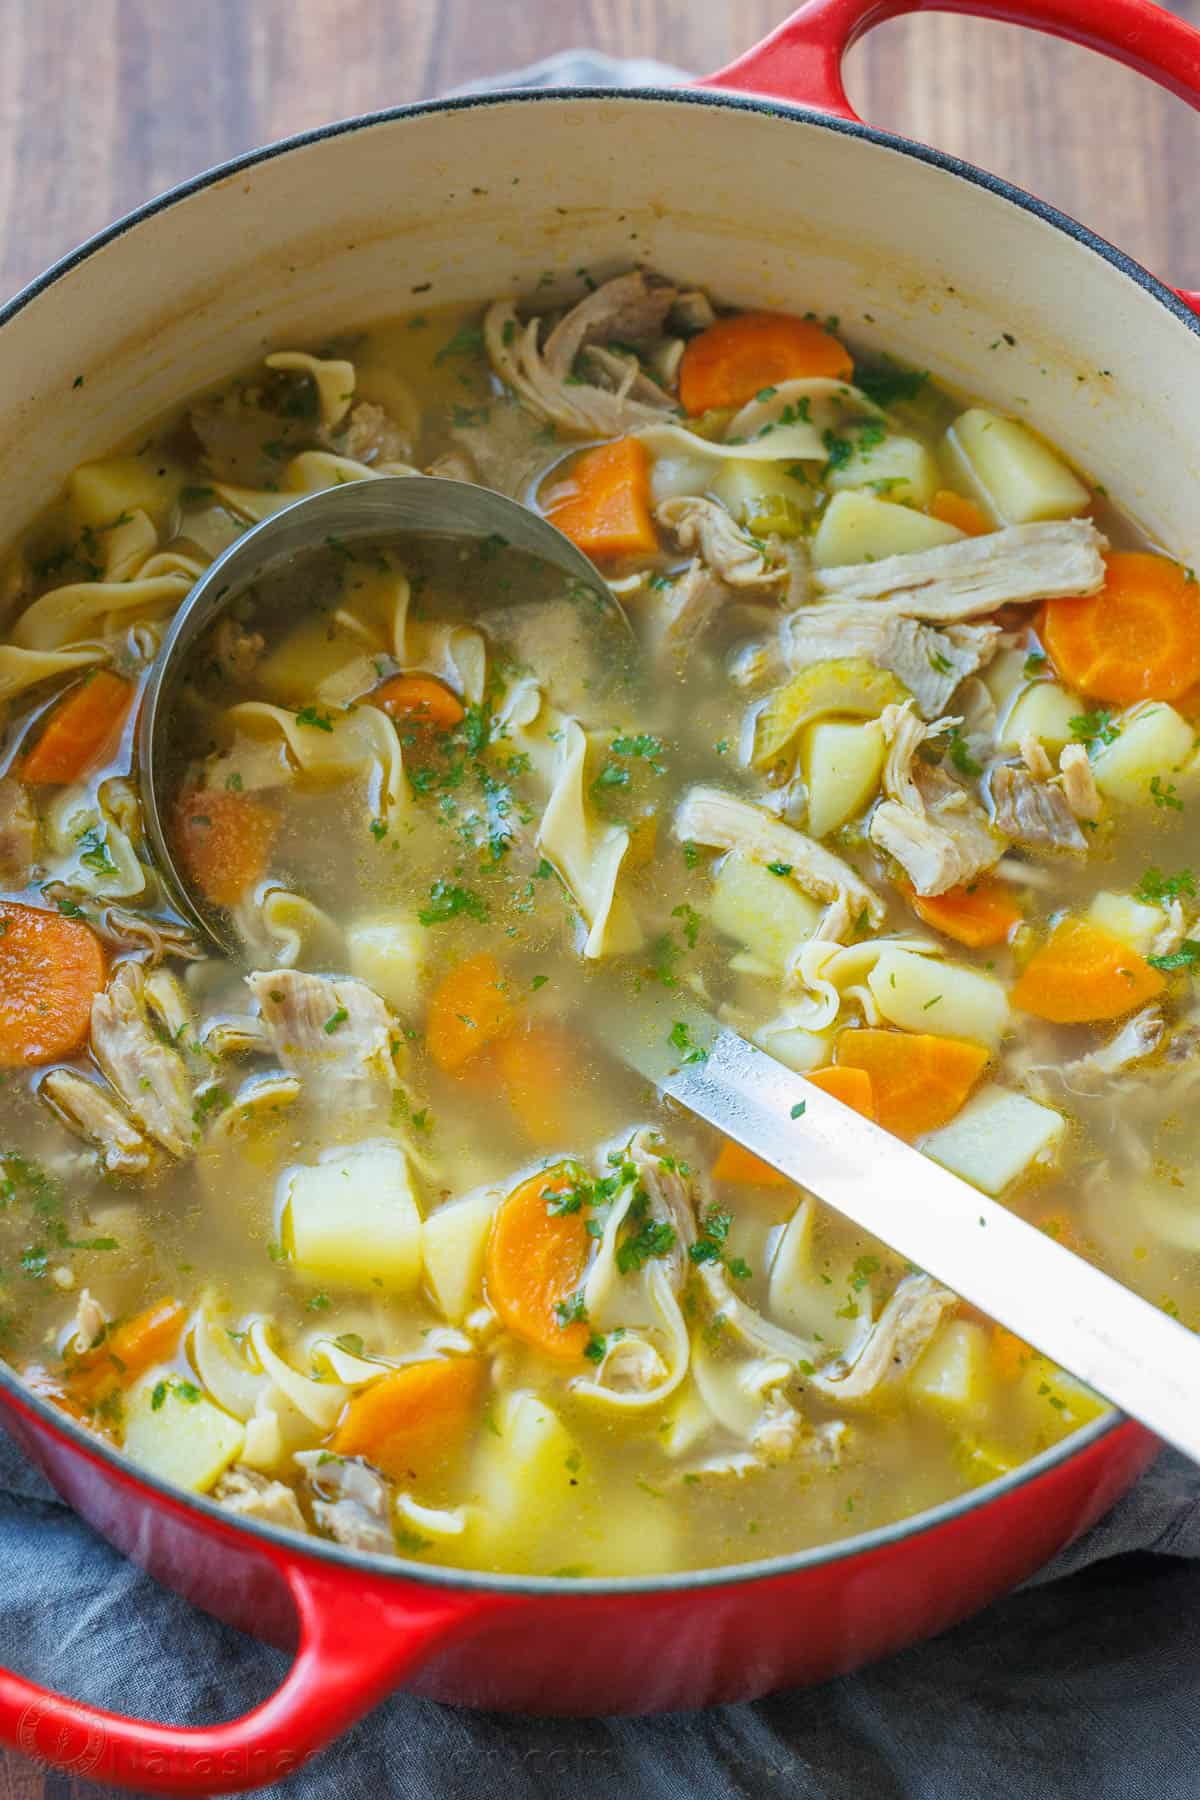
(474, 1581)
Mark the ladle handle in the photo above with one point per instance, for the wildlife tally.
(1120, 1345)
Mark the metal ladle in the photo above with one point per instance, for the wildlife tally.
(1088, 1323)
(409, 505)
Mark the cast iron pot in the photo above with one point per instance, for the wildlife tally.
(763, 184)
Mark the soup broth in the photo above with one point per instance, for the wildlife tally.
(360, 1229)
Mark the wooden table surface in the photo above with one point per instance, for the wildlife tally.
(103, 106)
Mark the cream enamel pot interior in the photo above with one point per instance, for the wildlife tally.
(783, 202)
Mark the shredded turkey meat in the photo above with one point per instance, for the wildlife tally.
(253, 1496)
(712, 817)
(351, 1501)
(894, 1342)
(94, 1114)
(1078, 783)
(335, 1034)
(1138, 1038)
(1033, 814)
(150, 1076)
(504, 452)
(671, 1197)
(685, 608)
(371, 435)
(930, 663)
(631, 309)
(934, 828)
(88, 1326)
(705, 528)
(963, 580)
(237, 651)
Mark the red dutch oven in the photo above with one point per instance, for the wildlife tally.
(762, 183)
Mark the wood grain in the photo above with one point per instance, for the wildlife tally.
(102, 107)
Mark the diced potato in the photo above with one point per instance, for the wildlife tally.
(353, 1218)
(995, 1138)
(766, 912)
(173, 1432)
(954, 1375)
(858, 527)
(100, 492)
(390, 955)
(1153, 741)
(1126, 918)
(523, 1477)
(1017, 476)
(841, 765)
(846, 687)
(904, 464)
(1043, 711)
(454, 1240)
(1055, 1401)
(763, 497)
(919, 993)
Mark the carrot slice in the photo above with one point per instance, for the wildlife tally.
(606, 509)
(539, 1067)
(411, 1422)
(956, 509)
(82, 732)
(224, 841)
(1081, 974)
(51, 969)
(981, 914)
(741, 1167)
(128, 1351)
(1010, 1354)
(425, 705)
(469, 1008)
(1137, 639)
(918, 1081)
(736, 358)
(851, 1086)
(535, 1261)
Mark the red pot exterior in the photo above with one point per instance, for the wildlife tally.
(688, 1644)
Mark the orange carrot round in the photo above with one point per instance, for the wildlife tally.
(956, 509)
(1137, 639)
(51, 969)
(420, 702)
(411, 1422)
(918, 1081)
(851, 1086)
(224, 841)
(983, 913)
(468, 1010)
(740, 1167)
(736, 358)
(82, 732)
(605, 509)
(128, 1350)
(539, 1067)
(1010, 1354)
(535, 1262)
(1082, 974)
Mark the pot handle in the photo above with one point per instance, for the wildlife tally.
(355, 1646)
(801, 60)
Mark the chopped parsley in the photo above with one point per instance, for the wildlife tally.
(710, 1245)
(1035, 662)
(798, 1111)
(335, 1020)
(94, 852)
(1167, 796)
(1186, 957)
(449, 901)
(1093, 728)
(691, 923)
(780, 868)
(680, 1038)
(888, 385)
(654, 1238)
(467, 341)
(308, 715)
(1157, 889)
(961, 756)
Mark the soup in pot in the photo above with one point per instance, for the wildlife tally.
(361, 1228)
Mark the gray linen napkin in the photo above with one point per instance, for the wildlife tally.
(1083, 1686)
